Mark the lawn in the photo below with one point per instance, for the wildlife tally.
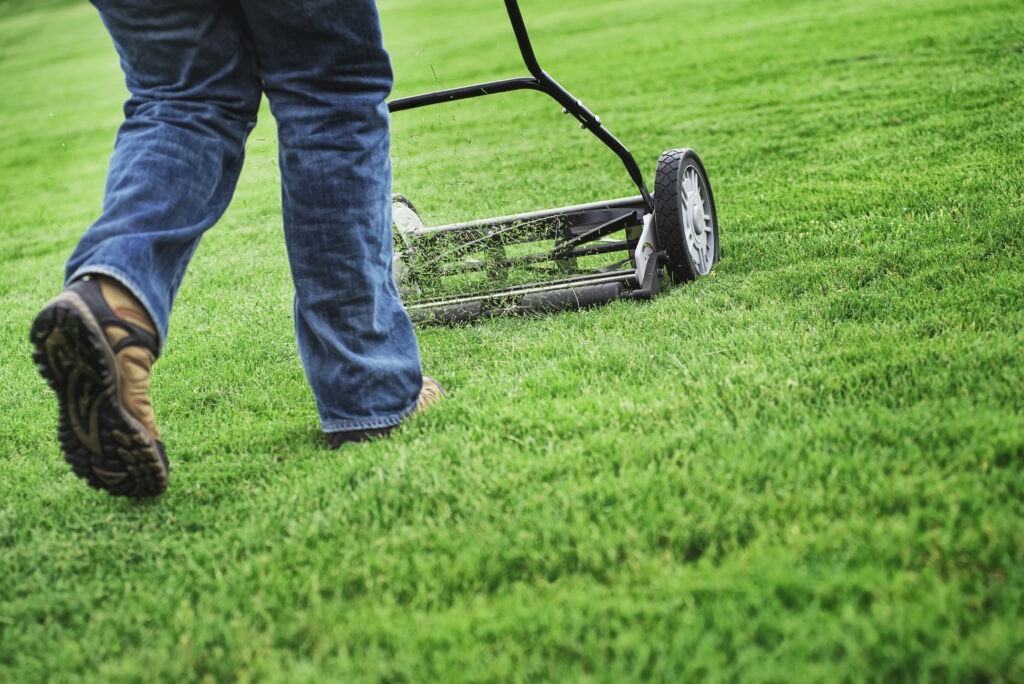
(807, 466)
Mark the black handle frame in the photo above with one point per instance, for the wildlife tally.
(538, 80)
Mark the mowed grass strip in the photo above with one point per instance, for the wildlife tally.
(807, 466)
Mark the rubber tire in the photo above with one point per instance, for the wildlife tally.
(668, 212)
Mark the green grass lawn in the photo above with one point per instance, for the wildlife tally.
(808, 466)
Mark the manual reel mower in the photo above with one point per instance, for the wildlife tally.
(556, 259)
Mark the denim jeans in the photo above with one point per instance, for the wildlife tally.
(196, 70)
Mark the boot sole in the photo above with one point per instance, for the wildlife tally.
(105, 445)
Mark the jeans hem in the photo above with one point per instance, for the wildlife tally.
(117, 274)
(366, 423)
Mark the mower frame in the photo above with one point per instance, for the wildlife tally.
(577, 227)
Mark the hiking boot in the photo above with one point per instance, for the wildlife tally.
(95, 345)
(430, 393)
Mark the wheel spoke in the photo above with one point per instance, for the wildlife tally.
(689, 185)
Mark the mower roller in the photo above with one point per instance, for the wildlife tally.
(556, 259)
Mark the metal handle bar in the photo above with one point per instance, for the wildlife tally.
(538, 80)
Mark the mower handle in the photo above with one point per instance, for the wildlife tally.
(538, 80)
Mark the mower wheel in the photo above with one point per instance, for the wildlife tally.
(684, 214)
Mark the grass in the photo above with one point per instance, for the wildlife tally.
(805, 467)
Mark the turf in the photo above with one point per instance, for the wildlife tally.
(805, 467)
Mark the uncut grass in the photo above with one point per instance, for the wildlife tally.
(805, 466)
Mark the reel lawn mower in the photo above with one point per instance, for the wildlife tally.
(556, 259)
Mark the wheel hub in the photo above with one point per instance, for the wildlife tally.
(695, 221)
(697, 215)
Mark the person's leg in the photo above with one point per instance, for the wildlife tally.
(327, 76)
(194, 97)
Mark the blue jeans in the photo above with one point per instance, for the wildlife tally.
(196, 70)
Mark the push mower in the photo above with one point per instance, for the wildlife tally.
(568, 258)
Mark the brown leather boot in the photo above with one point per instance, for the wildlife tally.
(95, 345)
